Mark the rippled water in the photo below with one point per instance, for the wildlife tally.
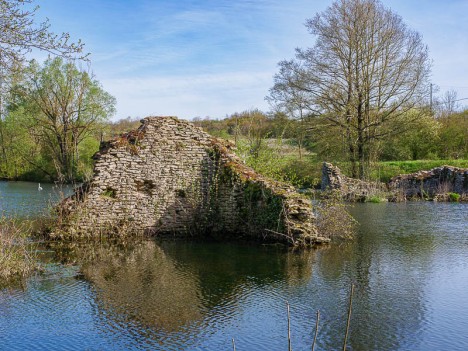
(409, 263)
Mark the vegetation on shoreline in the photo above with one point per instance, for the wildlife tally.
(269, 143)
(17, 252)
(384, 171)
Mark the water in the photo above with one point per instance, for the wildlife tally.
(25, 199)
(409, 263)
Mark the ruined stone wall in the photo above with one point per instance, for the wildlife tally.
(350, 188)
(171, 177)
(434, 183)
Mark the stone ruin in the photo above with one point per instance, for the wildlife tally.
(351, 189)
(170, 177)
(434, 184)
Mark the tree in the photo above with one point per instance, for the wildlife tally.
(19, 34)
(449, 104)
(65, 106)
(293, 103)
(454, 136)
(365, 69)
(419, 142)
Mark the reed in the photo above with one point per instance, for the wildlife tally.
(289, 328)
(317, 321)
(17, 253)
(348, 322)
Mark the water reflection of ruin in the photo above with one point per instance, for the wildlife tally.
(184, 292)
(172, 286)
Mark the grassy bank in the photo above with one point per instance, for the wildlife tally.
(384, 171)
(17, 253)
(281, 160)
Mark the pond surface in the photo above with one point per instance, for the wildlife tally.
(25, 198)
(409, 263)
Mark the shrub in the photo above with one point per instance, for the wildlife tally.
(333, 219)
(374, 199)
(454, 197)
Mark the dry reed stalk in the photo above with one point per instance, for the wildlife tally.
(349, 316)
(316, 329)
(289, 327)
(17, 258)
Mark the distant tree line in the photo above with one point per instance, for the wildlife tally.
(442, 134)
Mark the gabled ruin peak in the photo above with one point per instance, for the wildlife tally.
(170, 177)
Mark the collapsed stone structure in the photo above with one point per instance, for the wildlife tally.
(170, 177)
(434, 184)
(350, 188)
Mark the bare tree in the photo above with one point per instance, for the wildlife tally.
(365, 69)
(292, 102)
(449, 104)
(20, 34)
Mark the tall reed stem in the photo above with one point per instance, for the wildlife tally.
(316, 329)
(350, 307)
(289, 328)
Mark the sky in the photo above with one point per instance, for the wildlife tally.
(211, 58)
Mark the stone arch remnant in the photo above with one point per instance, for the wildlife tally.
(170, 177)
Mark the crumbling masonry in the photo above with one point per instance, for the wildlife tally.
(170, 177)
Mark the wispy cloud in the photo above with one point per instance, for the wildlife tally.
(190, 96)
(213, 57)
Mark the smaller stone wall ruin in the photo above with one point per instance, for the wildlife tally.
(169, 177)
(351, 189)
(435, 184)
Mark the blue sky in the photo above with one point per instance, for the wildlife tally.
(190, 58)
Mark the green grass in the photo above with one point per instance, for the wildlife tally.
(280, 160)
(384, 171)
(375, 199)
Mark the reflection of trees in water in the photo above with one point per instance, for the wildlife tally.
(222, 268)
(390, 262)
(192, 290)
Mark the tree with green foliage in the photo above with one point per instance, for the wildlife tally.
(64, 107)
(20, 34)
(454, 136)
(366, 69)
(421, 141)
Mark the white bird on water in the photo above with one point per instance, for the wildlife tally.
(39, 187)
